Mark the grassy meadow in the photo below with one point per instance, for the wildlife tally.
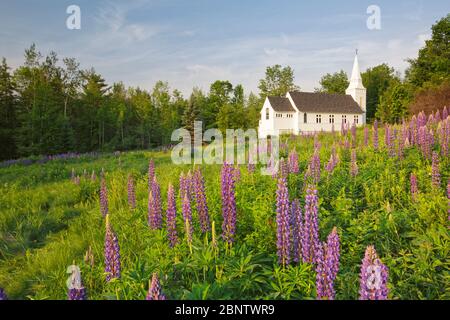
(48, 222)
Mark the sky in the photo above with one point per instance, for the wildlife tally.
(192, 43)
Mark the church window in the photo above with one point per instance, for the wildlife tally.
(318, 118)
(331, 118)
(267, 113)
(305, 118)
(344, 119)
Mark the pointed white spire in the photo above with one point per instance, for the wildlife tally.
(356, 80)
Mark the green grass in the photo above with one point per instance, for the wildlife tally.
(47, 223)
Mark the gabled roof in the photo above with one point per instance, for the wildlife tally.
(325, 102)
(281, 104)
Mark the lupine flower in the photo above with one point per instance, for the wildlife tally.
(77, 291)
(334, 160)
(373, 277)
(414, 189)
(131, 192)
(103, 198)
(444, 113)
(444, 136)
(327, 266)
(293, 162)
(313, 170)
(112, 253)
(237, 173)
(296, 230)
(283, 168)
(353, 131)
(187, 217)
(366, 136)
(251, 162)
(283, 232)
(200, 198)
(151, 173)
(154, 206)
(185, 185)
(375, 134)
(228, 203)
(310, 234)
(171, 217)
(154, 290)
(353, 165)
(448, 197)
(3, 295)
(435, 175)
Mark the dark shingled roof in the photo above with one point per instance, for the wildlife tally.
(325, 102)
(281, 104)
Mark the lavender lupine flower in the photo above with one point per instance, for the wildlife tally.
(103, 198)
(151, 173)
(171, 217)
(332, 163)
(3, 295)
(187, 216)
(237, 173)
(131, 192)
(185, 185)
(310, 234)
(444, 136)
(373, 277)
(353, 131)
(228, 203)
(375, 134)
(283, 232)
(283, 168)
(154, 206)
(435, 175)
(314, 168)
(293, 162)
(200, 198)
(444, 113)
(414, 189)
(366, 136)
(353, 165)
(296, 230)
(112, 253)
(327, 266)
(437, 116)
(154, 290)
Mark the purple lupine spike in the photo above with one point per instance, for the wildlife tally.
(171, 217)
(228, 203)
(131, 192)
(313, 170)
(200, 198)
(310, 234)
(366, 136)
(444, 113)
(448, 197)
(353, 165)
(3, 295)
(293, 162)
(283, 171)
(237, 173)
(327, 266)
(77, 294)
(103, 198)
(154, 289)
(373, 277)
(414, 189)
(151, 173)
(187, 216)
(185, 185)
(296, 230)
(333, 252)
(353, 131)
(435, 175)
(444, 136)
(437, 116)
(283, 232)
(375, 134)
(154, 206)
(112, 253)
(332, 163)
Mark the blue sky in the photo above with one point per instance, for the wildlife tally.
(195, 42)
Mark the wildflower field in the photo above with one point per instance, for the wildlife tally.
(355, 214)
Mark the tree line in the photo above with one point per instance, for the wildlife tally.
(51, 106)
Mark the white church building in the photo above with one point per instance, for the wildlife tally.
(305, 112)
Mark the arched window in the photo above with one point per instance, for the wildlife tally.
(267, 113)
(305, 118)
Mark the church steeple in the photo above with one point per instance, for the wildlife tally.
(356, 88)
